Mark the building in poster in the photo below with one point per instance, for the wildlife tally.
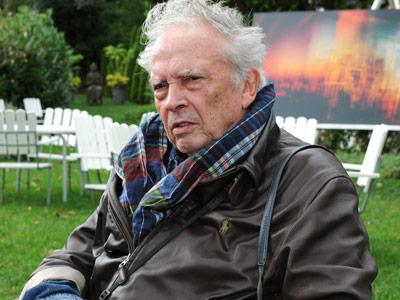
(336, 66)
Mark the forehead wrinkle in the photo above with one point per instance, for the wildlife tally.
(176, 72)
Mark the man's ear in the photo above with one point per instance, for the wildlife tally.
(250, 88)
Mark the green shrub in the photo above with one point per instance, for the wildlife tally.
(35, 60)
(356, 140)
(120, 63)
(139, 87)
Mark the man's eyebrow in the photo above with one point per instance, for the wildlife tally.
(188, 73)
(154, 81)
(180, 75)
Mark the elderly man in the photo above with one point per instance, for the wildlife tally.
(181, 216)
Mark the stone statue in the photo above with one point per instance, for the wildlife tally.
(94, 85)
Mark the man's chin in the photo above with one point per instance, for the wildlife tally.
(188, 147)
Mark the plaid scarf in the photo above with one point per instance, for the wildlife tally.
(157, 176)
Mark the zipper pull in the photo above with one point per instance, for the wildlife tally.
(121, 271)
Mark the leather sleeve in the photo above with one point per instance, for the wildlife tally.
(319, 247)
(75, 261)
(327, 248)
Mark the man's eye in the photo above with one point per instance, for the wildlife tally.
(192, 78)
(160, 85)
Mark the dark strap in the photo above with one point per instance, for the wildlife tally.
(211, 205)
(263, 238)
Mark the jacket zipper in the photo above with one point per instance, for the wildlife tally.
(127, 237)
(132, 251)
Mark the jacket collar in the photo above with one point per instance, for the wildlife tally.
(253, 166)
(248, 172)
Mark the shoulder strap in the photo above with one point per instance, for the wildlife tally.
(263, 238)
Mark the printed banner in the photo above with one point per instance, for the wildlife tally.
(335, 66)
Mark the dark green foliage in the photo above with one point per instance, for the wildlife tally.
(34, 59)
(356, 140)
(345, 140)
(91, 25)
(83, 25)
(139, 88)
(392, 144)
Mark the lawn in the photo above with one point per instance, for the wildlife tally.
(29, 230)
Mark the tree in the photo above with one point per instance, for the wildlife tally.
(35, 60)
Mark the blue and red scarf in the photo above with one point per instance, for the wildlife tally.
(157, 176)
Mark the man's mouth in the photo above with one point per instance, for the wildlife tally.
(182, 127)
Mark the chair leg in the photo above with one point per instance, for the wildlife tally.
(49, 187)
(18, 183)
(3, 181)
(27, 179)
(363, 204)
(69, 176)
(99, 176)
(18, 176)
(82, 175)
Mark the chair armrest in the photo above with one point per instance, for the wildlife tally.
(359, 174)
(91, 155)
(351, 166)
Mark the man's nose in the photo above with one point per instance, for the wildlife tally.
(176, 99)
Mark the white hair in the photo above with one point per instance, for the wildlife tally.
(245, 49)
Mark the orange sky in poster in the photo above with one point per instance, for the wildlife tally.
(348, 53)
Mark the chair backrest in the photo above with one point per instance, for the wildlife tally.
(302, 128)
(311, 131)
(18, 133)
(372, 155)
(33, 105)
(48, 116)
(279, 121)
(2, 105)
(118, 136)
(75, 113)
(289, 124)
(131, 131)
(58, 115)
(91, 142)
(66, 122)
(66, 117)
(101, 125)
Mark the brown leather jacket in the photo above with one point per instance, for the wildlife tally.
(318, 244)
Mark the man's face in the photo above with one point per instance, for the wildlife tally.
(193, 88)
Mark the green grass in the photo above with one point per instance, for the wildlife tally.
(382, 222)
(29, 230)
(127, 112)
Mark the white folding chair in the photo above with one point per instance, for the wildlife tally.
(34, 105)
(302, 128)
(279, 121)
(2, 105)
(311, 131)
(92, 149)
(289, 124)
(75, 113)
(367, 171)
(118, 135)
(18, 138)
